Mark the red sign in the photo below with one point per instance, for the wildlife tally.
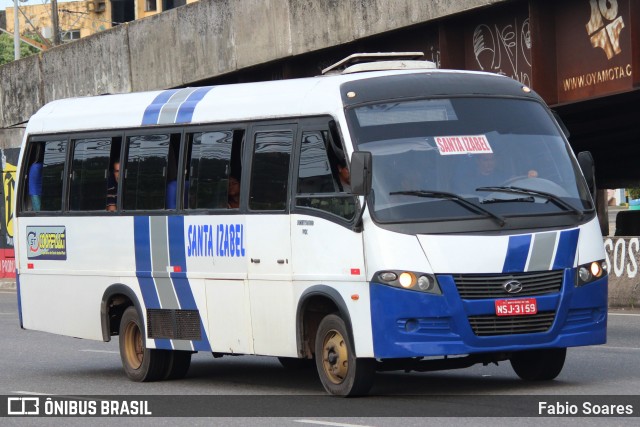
(516, 307)
(473, 144)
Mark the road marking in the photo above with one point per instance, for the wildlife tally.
(624, 314)
(32, 393)
(101, 351)
(621, 348)
(329, 423)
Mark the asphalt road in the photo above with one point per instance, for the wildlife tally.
(39, 364)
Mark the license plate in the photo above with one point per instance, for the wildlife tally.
(516, 307)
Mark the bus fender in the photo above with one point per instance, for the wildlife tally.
(325, 292)
(104, 309)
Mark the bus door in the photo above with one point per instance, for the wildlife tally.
(327, 250)
(268, 239)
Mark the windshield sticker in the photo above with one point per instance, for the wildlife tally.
(471, 144)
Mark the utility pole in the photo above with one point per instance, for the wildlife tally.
(54, 22)
(16, 31)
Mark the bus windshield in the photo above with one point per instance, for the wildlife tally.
(436, 159)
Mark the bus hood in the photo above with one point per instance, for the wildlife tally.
(549, 250)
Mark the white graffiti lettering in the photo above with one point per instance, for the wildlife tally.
(621, 256)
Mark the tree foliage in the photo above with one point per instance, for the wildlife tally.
(6, 49)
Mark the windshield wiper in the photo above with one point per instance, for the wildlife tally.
(550, 197)
(455, 198)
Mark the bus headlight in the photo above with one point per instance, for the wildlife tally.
(590, 272)
(410, 280)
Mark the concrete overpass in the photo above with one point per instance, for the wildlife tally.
(200, 42)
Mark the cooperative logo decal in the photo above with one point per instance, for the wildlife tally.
(605, 36)
(47, 243)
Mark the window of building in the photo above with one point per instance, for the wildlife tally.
(150, 173)
(150, 5)
(270, 170)
(70, 35)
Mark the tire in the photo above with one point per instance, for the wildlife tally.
(178, 366)
(296, 364)
(539, 365)
(140, 363)
(341, 373)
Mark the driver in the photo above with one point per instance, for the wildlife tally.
(484, 171)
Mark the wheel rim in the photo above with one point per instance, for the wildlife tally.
(134, 351)
(335, 357)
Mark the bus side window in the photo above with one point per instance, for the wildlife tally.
(33, 201)
(210, 167)
(89, 174)
(46, 175)
(270, 170)
(319, 175)
(172, 172)
(147, 171)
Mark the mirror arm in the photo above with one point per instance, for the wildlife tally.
(357, 225)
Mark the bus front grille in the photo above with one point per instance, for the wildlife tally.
(485, 286)
(511, 325)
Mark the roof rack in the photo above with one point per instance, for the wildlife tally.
(359, 62)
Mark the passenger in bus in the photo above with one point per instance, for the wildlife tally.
(233, 193)
(35, 185)
(112, 187)
(345, 177)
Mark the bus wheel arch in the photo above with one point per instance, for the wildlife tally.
(115, 300)
(314, 304)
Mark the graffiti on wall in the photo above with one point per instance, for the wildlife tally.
(7, 190)
(504, 48)
(622, 257)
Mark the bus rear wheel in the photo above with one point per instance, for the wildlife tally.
(539, 365)
(178, 366)
(341, 373)
(140, 363)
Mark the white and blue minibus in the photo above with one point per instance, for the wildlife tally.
(390, 216)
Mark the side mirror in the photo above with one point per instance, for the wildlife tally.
(585, 160)
(361, 173)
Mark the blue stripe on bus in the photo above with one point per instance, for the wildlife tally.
(175, 226)
(185, 113)
(152, 113)
(142, 244)
(567, 248)
(517, 253)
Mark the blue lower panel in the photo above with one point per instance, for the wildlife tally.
(414, 324)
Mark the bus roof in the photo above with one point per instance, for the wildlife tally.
(245, 101)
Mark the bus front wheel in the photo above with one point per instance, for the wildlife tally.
(140, 363)
(539, 365)
(341, 373)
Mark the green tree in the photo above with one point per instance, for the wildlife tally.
(6, 49)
